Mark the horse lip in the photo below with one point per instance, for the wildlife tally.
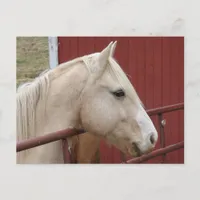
(137, 150)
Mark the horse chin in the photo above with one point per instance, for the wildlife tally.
(124, 146)
(134, 151)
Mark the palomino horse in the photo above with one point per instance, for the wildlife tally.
(90, 92)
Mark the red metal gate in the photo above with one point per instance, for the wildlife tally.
(156, 69)
(63, 134)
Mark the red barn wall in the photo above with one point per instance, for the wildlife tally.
(156, 69)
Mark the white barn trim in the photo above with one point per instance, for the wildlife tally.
(53, 51)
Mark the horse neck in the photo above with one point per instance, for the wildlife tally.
(63, 100)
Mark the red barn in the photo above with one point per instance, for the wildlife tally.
(156, 69)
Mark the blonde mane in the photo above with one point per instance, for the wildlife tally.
(30, 94)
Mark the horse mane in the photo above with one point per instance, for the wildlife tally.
(28, 96)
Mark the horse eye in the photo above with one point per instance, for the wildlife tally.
(119, 93)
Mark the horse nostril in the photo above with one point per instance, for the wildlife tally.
(152, 139)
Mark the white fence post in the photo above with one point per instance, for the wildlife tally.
(53, 51)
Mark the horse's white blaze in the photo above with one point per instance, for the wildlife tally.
(147, 130)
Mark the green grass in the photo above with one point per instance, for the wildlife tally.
(32, 57)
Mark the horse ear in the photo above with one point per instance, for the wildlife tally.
(102, 61)
(113, 49)
(104, 55)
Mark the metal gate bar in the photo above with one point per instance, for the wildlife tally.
(165, 109)
(51, 137)
(156, 153)
(159, 112)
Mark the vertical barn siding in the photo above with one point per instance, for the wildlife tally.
(181, 95)
(155, 66)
